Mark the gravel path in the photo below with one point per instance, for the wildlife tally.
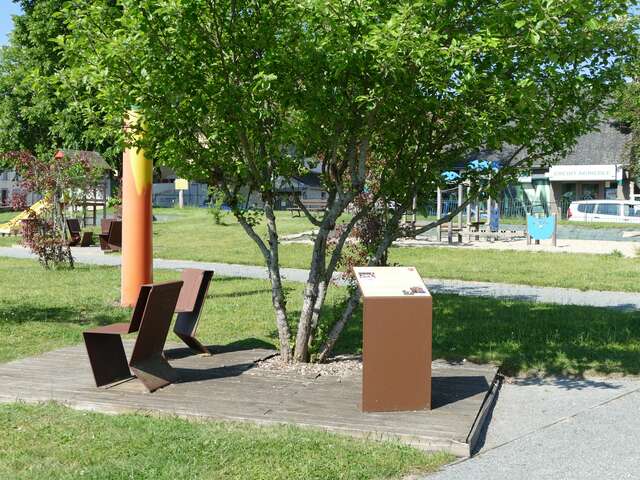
(562, 296)
(559, 429)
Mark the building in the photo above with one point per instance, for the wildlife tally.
(165, 193)
(597, 168)
(10, 185)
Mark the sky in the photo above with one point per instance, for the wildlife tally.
(7, 8)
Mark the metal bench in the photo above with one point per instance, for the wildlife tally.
(151, 319)
(111, 236)
(78, 237)
(190, 302)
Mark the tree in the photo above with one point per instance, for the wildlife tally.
(62, 183)
(384, 96)
(39, 107)
(628, 113)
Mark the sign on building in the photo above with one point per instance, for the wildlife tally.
(578, 173)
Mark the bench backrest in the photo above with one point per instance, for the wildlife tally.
(74, 226)
(156, 318)
(105, 224)
(196, 285)
(115, 232)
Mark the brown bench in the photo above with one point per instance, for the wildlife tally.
(190, 302)
(311, 205)
(151, 319)
(111, 236)
(78, 237)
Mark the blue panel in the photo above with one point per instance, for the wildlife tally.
(540, 228)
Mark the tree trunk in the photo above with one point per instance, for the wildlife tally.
(311, 290)
(277, 293)
(390, 234)
(337, 329)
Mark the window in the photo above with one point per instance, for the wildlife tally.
(608, 209)
(586, 207)
(631, 210)
(590, 191)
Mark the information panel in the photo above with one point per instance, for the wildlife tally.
(390, 282)
(396, 339)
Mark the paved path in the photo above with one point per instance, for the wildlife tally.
(562, 296)
(559, 429)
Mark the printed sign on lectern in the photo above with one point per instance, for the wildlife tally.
(396, 351)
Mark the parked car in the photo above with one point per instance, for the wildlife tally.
(614, 211)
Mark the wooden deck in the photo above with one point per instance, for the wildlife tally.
(226, 386)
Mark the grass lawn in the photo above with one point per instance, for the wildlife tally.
(190, 234)
(564, 270)
(51, 441)
(41, 310)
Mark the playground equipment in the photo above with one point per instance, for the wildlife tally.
(137, 255)
(13, 225)
(542, 228)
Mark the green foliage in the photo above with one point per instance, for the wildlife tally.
(422, 83)
(40, 110)
(628, 112)
(216, 201)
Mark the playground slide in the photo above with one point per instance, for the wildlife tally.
(12, 225)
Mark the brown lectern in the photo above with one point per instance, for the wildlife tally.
(396, 370)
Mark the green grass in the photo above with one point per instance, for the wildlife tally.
(41, 310)
(564, 270)
(192, 235)
(50, 441)
(6, 216)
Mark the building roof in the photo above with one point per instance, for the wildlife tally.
(95, 158)
(605, 146)
(310, 179)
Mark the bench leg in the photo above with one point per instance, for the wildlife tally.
(154, 372)
(107, 358)
(185, 328)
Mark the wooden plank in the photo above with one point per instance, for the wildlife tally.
(227, 386)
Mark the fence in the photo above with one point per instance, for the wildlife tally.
(509, 208)
(170, 199)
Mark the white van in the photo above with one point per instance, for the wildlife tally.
(614, 211)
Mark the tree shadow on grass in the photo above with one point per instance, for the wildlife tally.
(527, 338)
(16, 314)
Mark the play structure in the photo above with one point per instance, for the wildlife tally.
(13, 226)
(542, 228)
(471, 223)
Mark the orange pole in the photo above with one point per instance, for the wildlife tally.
(137, 253)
